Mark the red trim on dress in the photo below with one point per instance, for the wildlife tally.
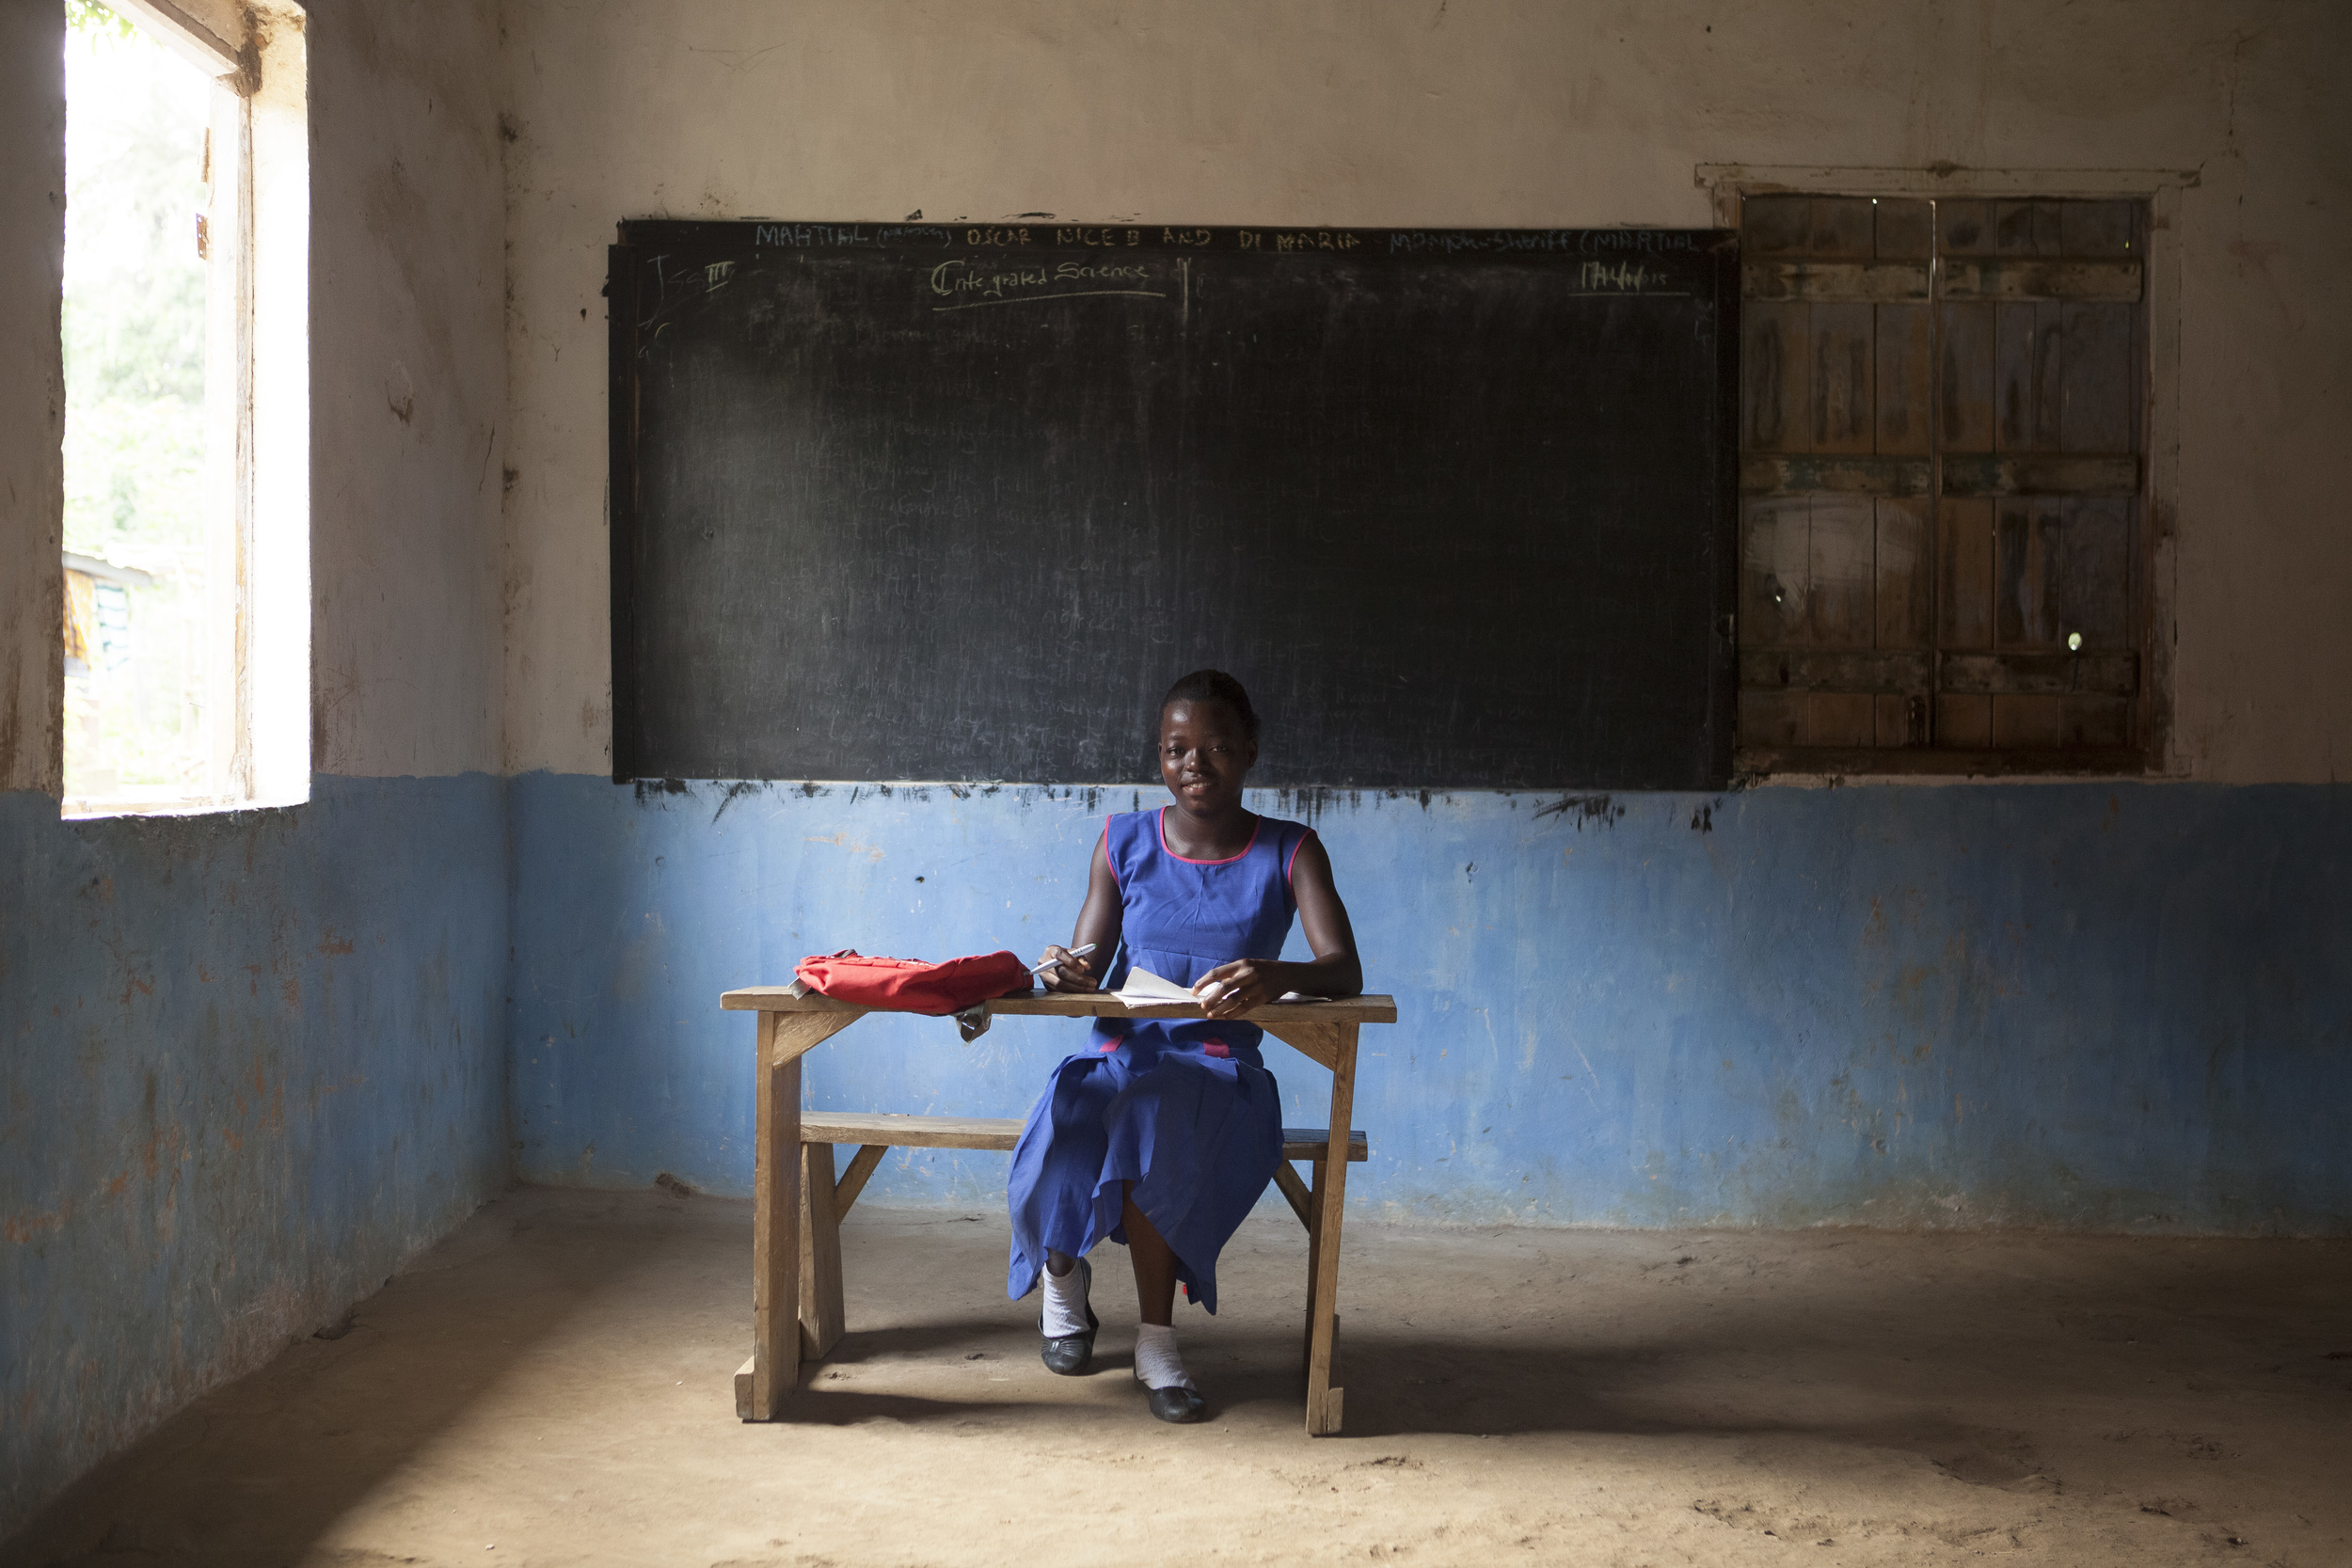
(1216, 1047)
(1108, 859)
(1190, 861)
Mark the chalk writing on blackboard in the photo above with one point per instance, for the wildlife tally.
(1625, 277)
(811, 236)
(1457, 242)
(972, 284)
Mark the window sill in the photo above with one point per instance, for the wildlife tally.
(1759, 765)
(111, 806)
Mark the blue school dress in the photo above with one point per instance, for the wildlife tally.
(1184, 1108)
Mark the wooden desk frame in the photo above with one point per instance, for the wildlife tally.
(790, 1026)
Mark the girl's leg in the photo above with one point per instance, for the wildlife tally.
(1156, 1264)
(1158, 1366)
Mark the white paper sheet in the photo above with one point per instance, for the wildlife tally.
(1146, 990)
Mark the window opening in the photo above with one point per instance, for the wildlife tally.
(1943, 546)
(186, 620)
(140, 710)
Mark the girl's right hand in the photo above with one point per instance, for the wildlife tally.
(1068, 974)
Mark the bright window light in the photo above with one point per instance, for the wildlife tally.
(143, 713)
(187, 614)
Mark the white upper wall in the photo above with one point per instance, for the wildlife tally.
(1472, 113)
(409, 386)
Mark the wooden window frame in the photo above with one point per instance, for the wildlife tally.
(258, 399)
(2154, 753)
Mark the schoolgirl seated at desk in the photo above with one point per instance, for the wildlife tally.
(1161, 1134)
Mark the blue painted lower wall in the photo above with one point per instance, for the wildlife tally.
(252, 1062)
(2110, 1007)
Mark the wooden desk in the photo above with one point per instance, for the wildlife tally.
(783, 1190)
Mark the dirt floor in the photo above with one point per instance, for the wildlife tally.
(553, 1385)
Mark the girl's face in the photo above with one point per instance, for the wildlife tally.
(1204, 755)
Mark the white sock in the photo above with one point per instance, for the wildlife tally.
(1065, 1311)
(1157, 1363)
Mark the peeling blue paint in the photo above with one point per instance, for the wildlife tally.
(252, 1063)
(2113, 1008)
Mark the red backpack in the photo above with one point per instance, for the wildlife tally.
(911, 986)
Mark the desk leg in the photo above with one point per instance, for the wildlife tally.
(1330, 1193)
(775, 1232)
(1314, 1260)
(821, 1314)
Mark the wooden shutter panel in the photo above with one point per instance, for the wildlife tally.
(1941, 521)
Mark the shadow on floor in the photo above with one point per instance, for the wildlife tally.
(254, 1471)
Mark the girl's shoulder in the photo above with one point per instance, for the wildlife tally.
(1122, 825)
(1285, 836)
(1127, 834)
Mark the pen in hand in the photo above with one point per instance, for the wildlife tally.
(1075, 953)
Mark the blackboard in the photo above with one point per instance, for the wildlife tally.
(957, 501)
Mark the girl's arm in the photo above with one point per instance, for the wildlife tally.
(1098, 923)
(1335, 972)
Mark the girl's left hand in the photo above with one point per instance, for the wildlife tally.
(1242, 985)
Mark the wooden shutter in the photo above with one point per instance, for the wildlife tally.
(1942, 538)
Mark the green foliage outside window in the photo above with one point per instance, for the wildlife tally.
(134, 330)
(88, 16)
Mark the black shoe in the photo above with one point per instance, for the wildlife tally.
(1179, 1404)
(1069, 1355)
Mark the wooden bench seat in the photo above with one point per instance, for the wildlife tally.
(891, 1131)
(878, 1133)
